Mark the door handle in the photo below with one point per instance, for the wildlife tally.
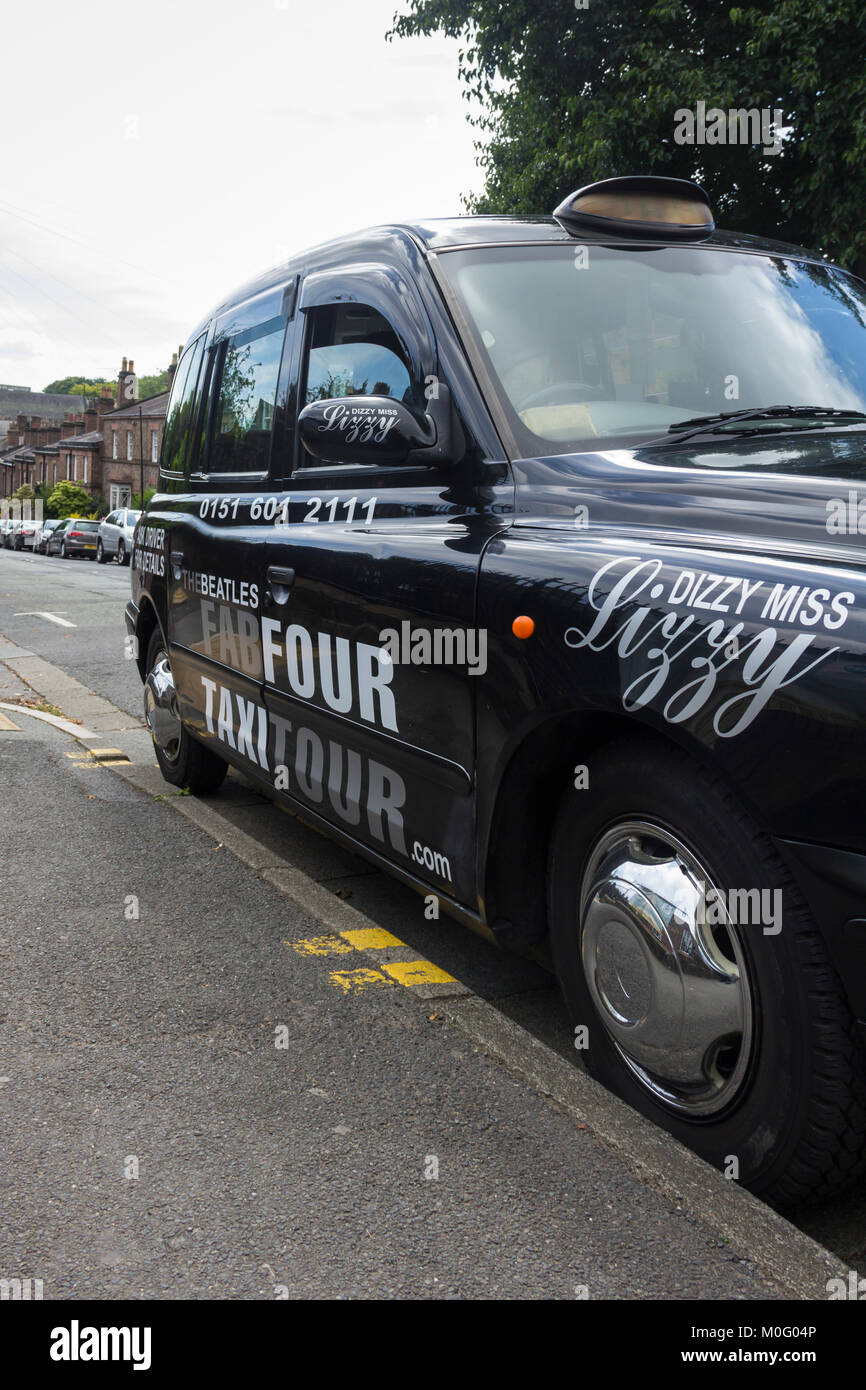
(278, 574)
(280, 581)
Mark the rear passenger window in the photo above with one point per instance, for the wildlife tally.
(246, 374)
(180, 409)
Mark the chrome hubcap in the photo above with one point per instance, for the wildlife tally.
(671, 987)
(160, 708)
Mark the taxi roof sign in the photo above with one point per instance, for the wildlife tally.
(639, 205)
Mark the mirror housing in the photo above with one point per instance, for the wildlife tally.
(376, 430)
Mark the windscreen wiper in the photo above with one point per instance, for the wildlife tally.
(717, 424)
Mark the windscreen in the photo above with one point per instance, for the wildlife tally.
(595, 346)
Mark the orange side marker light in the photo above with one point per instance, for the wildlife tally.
(523, 626)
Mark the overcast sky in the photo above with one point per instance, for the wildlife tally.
(155, 157)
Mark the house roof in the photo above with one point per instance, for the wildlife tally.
(90, 440)
(46, 405)
(150, 407)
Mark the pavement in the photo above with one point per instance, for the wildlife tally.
(236, 1061)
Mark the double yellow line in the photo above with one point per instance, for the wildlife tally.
(408, 973)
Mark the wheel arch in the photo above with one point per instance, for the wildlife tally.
(148, 623)
(513, 856)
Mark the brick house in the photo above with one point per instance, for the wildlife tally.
(109, 450)
(131, 441)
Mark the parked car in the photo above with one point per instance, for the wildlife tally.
(25, 535)
(79, 539)
(511, 570)
(5, 525)
(54, 540)
(115, 536)
(10, 527)
(42, 535)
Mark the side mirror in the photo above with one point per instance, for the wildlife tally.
(375, 429)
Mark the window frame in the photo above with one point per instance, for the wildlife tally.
(200, 341)
(246, 314)
(387, 290)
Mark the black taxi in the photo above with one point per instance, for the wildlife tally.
(525, 555)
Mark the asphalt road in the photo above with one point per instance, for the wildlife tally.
(197, 1101)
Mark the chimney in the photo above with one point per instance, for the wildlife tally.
(68, 427)
(91, 420)
(126, 384)
(13, 436)
(172, 368)
(31, 432)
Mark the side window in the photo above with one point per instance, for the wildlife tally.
(180, 409)
(353, 351)
(246, 369)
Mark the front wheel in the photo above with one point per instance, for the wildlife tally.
(101, 557)
(706, 995)
(182, 761)
(121, 554)
(63, 554)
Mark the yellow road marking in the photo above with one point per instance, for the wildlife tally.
(356, 981)
(403, 972)
(321, 946)
(7, 723)
(370, 939)
(418, 972)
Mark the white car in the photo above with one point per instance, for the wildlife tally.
(25, 536)
(115, 536)
(49, 525)
(19, 534)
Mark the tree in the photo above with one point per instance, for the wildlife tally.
(78, 385)
(25, 493)
(153, 385)
(569, 95)
(69, 499)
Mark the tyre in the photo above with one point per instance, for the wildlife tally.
(122, 558)
(710, 1007)
(182, 760)
(101, 557)
(63, 554)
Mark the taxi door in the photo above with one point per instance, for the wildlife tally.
(371, 658)
(216, 547)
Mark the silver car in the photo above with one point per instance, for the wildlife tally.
(115, 536)
(41, 546)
